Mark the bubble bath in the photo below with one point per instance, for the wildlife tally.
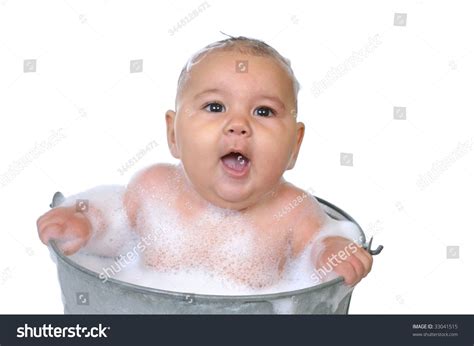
(121, 282)
(171, 255)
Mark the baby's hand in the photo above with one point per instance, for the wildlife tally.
(70, 228)
(344, 257)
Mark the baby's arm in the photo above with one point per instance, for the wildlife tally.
(344, 256)
(335, 244)
(107, 225)
(96, 220)
(71, 230)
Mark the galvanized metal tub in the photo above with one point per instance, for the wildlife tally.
(83, 292)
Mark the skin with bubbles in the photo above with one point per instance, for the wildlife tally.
(224, 211)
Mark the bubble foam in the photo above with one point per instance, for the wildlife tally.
(220, 254)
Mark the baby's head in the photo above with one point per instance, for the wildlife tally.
(234, 128)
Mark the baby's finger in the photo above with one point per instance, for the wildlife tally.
(51, 231)
(43, 221)
(358, 266)
(367, 261)
(348, 272)
(71, 246)
(53, 216)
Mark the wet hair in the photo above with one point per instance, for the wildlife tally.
(242, 45)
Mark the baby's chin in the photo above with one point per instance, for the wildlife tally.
(231, 197)
(232, 201)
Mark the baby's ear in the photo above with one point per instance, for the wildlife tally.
(170, 133)
(296, 148)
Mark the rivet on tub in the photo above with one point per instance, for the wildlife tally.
(189, 298)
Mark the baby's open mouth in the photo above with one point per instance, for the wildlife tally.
(236, 163)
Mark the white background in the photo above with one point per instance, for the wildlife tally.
(410, 184)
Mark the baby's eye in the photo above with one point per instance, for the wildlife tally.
(214, 107)
(264, 111)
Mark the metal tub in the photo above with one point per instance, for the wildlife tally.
(83, 292)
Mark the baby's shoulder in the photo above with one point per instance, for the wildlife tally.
(303, 212)
(151, 181)
(154, 177)
(295, 201)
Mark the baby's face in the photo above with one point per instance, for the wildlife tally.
(235, 128)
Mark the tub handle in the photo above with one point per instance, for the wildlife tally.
(369, 250)
(58, 198)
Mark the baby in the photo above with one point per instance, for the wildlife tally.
(235, 133)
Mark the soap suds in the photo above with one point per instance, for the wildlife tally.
(221, 254)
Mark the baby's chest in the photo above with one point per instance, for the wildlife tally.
(223, 244)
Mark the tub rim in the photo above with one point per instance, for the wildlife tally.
(185, 296)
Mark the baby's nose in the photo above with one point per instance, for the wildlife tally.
(239, 128)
